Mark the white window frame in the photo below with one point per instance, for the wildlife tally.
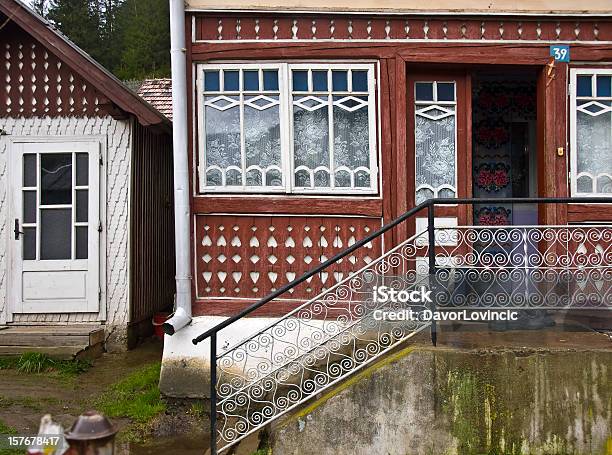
(574, 73)
(286, 127)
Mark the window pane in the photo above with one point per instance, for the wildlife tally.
(351, 139)
(82, 243)
(82, 206)
(56, 178)
(222, 124)
(82, 169)
(340, 81)
(231, 81)
(270, 79)
(300, 81)
(311, 138)
(594, 147)
(446, 91)
(435, 150)
(319, 81)
(56, 228)
(424, 91)
(29, 206)
(604, 86)
(274, 178)
(604, 185)
(29, 170)
(262, 138)
(584, 86)
(251, 80)
(211, 81)
(360, 81)
(233, 177)
(29, 244)
(213, 178)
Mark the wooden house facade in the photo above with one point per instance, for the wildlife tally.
(311, 127)
(312, 124)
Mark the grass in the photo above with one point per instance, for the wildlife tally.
(136, 396)
(37, 363)
(198, 409)
(5, 429)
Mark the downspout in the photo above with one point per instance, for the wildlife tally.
(182, 308)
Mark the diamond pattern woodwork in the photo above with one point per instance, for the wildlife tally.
(35, 83)
(250, 256)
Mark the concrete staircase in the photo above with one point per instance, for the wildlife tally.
(59, 341)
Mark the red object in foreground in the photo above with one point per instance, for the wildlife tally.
(158, 320)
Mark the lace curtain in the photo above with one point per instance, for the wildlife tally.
(245, 130)
(435, 153)
(594, 152)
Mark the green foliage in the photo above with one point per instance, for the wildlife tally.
(5, 429)
(198, 409)
(37, 363)
(129, 37)
(136, 396)
(145, 33)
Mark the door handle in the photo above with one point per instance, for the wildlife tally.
(17, 231)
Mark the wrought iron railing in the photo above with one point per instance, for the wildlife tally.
(333, 335)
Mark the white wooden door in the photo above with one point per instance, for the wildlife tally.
(55, 217)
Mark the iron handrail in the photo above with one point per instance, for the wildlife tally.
(429, 205)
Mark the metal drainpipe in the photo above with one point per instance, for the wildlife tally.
(182, 310)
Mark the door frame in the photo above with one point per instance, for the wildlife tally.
(463, 137)
(98, 142)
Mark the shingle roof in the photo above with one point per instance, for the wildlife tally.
(158, 93)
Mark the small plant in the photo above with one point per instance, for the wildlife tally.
(197, 409)
(137, 396)
(5, 429)
(34, 362)
(37, 363)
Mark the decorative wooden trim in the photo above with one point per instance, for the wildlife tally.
(253, 26)
(288, 205)
(250, 256)
(82, 64)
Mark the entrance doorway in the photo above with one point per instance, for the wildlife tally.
(55, 214)
(504, 156)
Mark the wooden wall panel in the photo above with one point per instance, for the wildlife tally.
(152, 224)
(247, 257)
(35, 83)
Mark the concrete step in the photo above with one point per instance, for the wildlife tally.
(65, 341)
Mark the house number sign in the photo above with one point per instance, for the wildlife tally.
(560, 53)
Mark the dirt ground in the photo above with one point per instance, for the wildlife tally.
(25, 398)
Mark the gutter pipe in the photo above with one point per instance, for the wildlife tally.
(182, 309)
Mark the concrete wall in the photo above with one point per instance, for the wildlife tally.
(186, 367)
(117, 136)
(443, 401)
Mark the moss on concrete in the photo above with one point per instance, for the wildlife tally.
(454, 402)
(496, 403)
